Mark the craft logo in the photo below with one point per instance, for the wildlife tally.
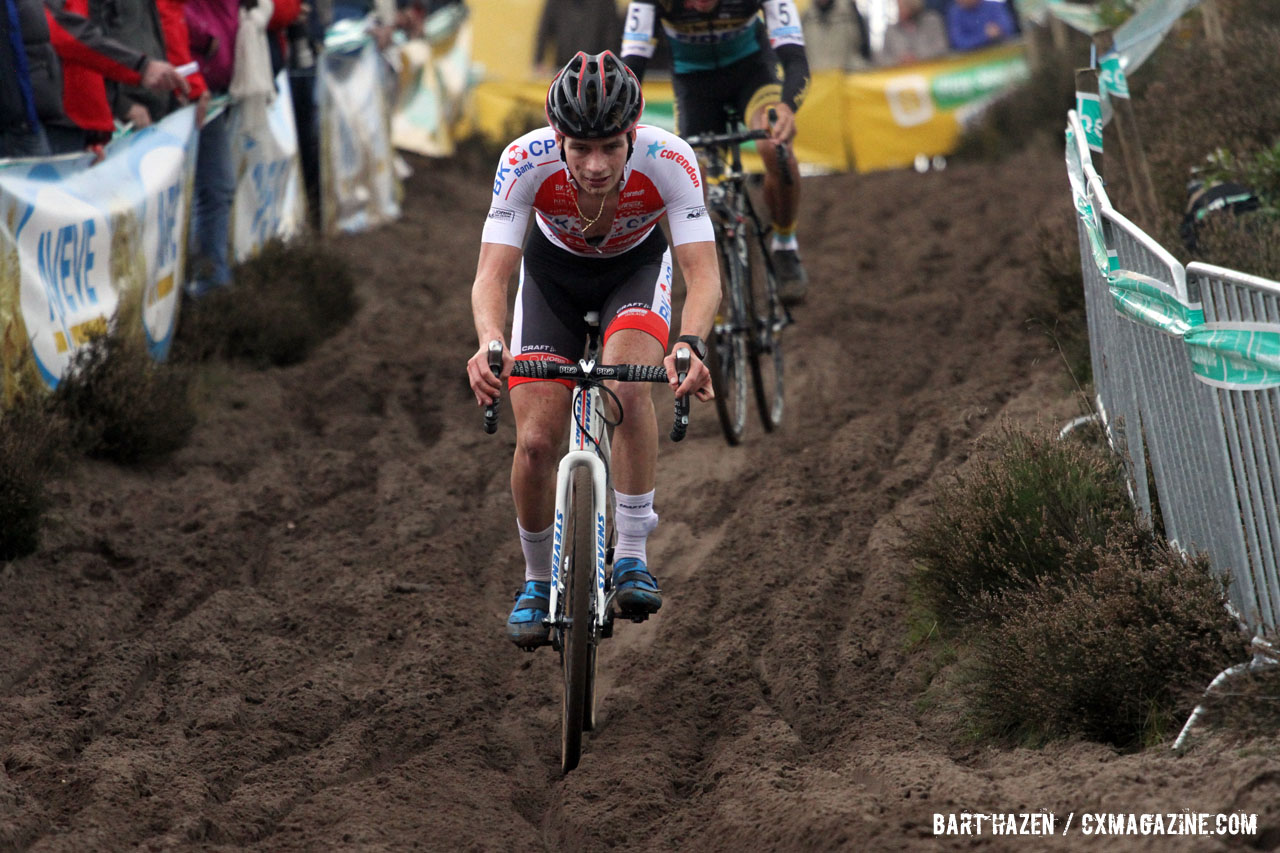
(683, 162)
(502, 214)
(696, 213)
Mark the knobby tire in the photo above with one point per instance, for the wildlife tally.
(576, 649)
(728, 354)
(767, 319)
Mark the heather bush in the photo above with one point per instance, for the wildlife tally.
(120, 404)
(1059, 308)
(33, 445)
(283, 304)
(1028, 502)
(1114, 649)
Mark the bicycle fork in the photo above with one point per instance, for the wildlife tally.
(564, 509)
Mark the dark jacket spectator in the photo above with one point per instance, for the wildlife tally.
(835, 36)
(88, 55)
(568, 26)
(30, 78)
(919, 35)
(135, 23)
(972, 24)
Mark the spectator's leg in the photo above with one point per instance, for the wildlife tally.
(65, 140)
(24, 143)
(215, 186)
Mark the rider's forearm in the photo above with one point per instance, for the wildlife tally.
(489, 309)
(795, 74)
(701, 271)
(498, 263)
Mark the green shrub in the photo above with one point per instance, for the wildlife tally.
(1201, 101)
(282, 305)
(1028, 502)
(120, 404)
(1060, 310)
(33, 445)
(1113, 649)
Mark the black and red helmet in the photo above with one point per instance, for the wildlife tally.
(594, 97)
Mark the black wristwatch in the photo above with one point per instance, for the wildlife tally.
(697, 344)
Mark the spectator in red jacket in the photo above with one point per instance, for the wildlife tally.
(177, 47)
(88, 55)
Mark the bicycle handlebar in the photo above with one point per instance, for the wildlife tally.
(618, 372)
(737, 137)
(711, 140)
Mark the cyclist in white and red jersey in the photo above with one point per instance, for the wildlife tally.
(596, 185)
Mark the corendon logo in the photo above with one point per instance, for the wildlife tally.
(683, 162)
(516, 155)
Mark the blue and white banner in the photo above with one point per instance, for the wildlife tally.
(94, 244)
(270, 202)
(358, 185)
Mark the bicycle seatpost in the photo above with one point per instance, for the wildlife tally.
(784, 153)
(491, 410)
(681, 426)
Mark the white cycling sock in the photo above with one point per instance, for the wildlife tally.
(633, 520)
(537, 553)
(780, 243)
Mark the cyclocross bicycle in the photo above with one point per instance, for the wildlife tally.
(748, 332)
(580, 607)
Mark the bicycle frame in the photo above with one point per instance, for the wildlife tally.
(589, 447)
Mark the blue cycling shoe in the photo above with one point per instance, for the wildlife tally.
(525, 625)
(637, 591)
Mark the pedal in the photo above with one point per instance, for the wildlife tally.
(606, 630)
(608, 555)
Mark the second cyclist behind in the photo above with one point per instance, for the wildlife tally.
(719, 59)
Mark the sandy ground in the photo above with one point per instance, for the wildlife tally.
(289, 636)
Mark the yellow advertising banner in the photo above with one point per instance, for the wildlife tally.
(864, 121)
(898, 113)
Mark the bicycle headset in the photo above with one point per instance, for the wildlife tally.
(595, 97)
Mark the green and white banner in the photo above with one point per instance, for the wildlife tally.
(1237, 356)
(1152, 303)
(93, 245)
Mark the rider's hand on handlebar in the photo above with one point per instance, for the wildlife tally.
(783, 128)
(484, 384)
(697, 382)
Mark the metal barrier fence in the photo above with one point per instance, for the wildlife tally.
(1157, 352)
(1248, 406)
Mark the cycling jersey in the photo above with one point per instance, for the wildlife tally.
(660, 178)
(729, 33)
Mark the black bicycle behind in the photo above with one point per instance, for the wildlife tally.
(748, 330)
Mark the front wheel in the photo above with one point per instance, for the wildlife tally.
(577, 634)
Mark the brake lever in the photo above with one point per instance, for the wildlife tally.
(681, 425)
(491, 410)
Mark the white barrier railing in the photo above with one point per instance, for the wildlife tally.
(1187, 375)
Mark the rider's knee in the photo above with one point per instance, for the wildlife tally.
(538, 448)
